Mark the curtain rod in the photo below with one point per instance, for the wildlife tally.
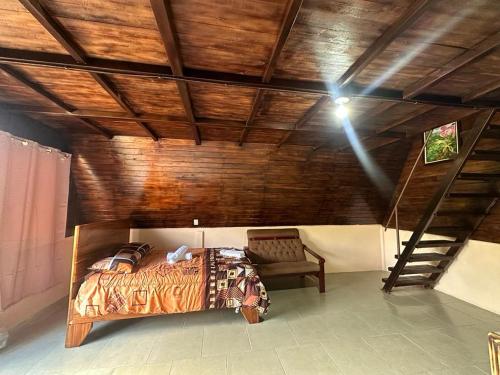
(25, 142)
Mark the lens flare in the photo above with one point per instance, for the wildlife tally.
(342, 112)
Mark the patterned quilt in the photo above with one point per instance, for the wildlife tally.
(208, 281)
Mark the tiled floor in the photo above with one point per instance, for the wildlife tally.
(354, 328)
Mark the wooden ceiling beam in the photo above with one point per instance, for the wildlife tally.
(308, 115)
(362, 122)
(290, 16)
(490, 87)
(416, 9)
(389, 128)
(165, 21)
(202, 122)
(57, 31)
(111, 89)
(259, 97)
(103, 66)
(479, 50)
(19, 77)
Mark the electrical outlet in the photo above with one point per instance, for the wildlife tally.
(195, 222)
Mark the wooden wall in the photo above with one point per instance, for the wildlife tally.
(170, 183)
(426, 178)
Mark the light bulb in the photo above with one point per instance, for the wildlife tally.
(341, 111)
(342, 100)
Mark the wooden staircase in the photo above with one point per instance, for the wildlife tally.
(410, 269)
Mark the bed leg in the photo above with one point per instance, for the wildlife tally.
(76, 334)
(251, 315)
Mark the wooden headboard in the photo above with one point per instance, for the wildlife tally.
(93, 242)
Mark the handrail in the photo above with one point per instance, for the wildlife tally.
(394, 209)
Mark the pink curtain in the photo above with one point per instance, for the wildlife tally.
(34, 184)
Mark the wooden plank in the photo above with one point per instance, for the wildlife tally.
(379, 111)
(287, 23)
(93, 242)
(164, 19)
(63, 37)
(33, 58)
(259, 97)
(55, 29)
(413, 13)
(54, 99)
(306, 117)
(481, 49)
(491, 87)
(111, 89)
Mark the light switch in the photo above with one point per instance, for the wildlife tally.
(195, 222)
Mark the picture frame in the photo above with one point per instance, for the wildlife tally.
(443, 144)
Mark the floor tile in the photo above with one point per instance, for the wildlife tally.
(310, 328)
(309, 359)
(402, 355)
(222, 340)
(354, 356)
(255, 362)
(123, 352)
(449, 350)
(270, 334)
(200, 366)
(178, 344)
(155, 369)
(410, 331)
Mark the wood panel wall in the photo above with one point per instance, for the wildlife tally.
(172, 182)
(426, 179)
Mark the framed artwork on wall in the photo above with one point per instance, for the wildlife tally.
(442, 144)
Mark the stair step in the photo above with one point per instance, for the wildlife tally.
(428, 257)
(474, 195)
(485, 155)
(411, 270)
(436, 243)
(411, 280)
(460, 213)
(479, 176)
(492, 133)
(449, 229)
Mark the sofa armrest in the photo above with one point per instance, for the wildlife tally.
(320, 259)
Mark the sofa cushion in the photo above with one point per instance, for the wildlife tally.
(286, 268)
(275, 245)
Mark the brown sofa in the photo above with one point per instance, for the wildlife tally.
(280, 252)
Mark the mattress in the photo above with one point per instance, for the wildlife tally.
(208, 281)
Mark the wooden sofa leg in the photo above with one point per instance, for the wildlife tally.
(76, 334)
(321, 279)
(251, 315)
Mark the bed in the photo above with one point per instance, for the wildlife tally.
(208, 281)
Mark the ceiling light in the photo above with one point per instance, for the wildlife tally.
(342, 100)
(341, 111)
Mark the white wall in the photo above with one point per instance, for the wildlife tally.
(473, 277)
(346, 248)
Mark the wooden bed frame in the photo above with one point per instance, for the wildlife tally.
(91, 243)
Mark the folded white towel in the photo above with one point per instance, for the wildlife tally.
(232, 253)
(180, 254)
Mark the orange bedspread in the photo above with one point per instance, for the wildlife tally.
(207, 281)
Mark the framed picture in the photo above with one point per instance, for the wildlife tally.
(442, 144)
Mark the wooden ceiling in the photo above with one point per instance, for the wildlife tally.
(248, 71)
(232, 100)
